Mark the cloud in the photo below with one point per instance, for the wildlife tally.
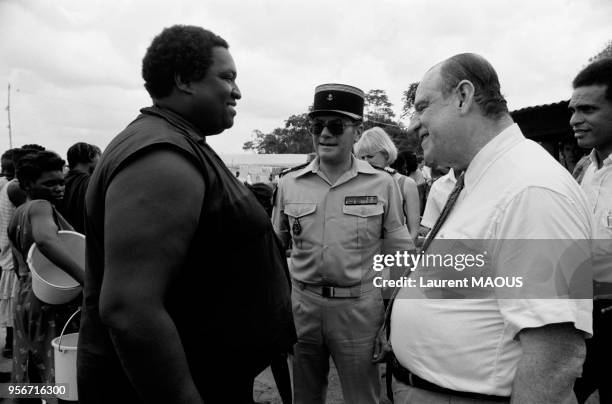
(77, 63)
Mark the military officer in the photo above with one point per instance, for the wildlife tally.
(339, 212)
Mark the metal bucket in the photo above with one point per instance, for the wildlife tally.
(65, 358)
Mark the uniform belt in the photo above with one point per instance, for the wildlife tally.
(407, 377)
(337, 292)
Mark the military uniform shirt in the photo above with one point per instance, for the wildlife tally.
(337, 229)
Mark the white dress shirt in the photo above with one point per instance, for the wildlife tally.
(514, 190)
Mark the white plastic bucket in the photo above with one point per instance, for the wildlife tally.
(65, 358)
(49, 283)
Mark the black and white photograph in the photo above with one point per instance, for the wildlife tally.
(281, 202)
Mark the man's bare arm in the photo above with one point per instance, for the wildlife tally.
(551, 361)
(152, 210)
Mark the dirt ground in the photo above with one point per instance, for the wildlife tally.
(264, 389)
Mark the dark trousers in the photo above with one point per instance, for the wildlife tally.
(596, 370)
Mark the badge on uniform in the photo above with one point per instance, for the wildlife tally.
(297, 227)
(361, 200)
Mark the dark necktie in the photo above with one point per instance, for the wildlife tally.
(384, 336)
(448, 206)
(452, 199)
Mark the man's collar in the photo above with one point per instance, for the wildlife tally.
(362, 166)
(593, 156)
(449, 176)
(176, 120)
(506, 139)
(357, 166)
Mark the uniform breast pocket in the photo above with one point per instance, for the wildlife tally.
(301, 220)
(365, 222)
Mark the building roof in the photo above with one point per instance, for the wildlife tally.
(545, 122)
(269, 160)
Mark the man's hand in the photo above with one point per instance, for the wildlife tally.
(381, 345)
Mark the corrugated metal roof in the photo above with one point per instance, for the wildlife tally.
(560, 104)
(281, 160)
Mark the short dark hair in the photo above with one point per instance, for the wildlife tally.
(7, 164)
(20, 152)
(33, 146)
(406, 162)
(31, 166)
(82, 153)
(597, 73)
(8, 155)
(477, 70)
(183, 50)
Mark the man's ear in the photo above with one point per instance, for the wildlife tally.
(358, 132)
(182, 85)
(465, 95)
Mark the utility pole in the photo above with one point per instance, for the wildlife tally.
(8, 110)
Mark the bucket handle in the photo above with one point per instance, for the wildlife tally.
(59, 345)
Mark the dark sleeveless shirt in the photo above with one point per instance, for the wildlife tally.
(231, 301)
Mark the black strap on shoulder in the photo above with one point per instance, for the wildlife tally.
(288, 170)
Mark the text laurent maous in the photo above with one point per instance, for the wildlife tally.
(475, 282)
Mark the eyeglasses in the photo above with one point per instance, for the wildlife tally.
(335, 127)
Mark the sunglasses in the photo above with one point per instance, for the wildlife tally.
(336, 127)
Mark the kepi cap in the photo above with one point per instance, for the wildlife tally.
(338, 99)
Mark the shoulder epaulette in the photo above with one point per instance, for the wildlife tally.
(386, 169)
(290, 169)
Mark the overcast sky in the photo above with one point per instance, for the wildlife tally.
(74, 65)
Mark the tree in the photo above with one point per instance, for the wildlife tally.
(294, 137)
(605, 53)
(408, 99)
(379, 113)
(377, 106)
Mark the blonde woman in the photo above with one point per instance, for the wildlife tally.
(376, 147)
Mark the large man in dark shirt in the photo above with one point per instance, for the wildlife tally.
(185, 296)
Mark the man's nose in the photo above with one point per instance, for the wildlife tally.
(236, 92)
(575, 119)
(415, 124)
(325, 132)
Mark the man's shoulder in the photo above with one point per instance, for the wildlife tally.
(147, 133)
(292, 171)
(366, 170)
(528, 164)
